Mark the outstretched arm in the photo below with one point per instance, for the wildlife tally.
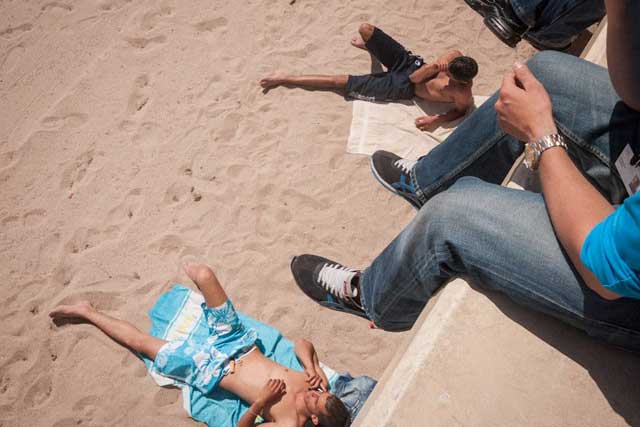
(430, 123)
(623, 49)
(309, 359)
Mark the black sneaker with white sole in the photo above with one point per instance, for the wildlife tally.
(329, 283)
(393, 172)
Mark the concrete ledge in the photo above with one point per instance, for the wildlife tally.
(475, 361)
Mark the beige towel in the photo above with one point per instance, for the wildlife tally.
(391, 127)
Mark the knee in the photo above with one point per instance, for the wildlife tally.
(205, 274)
(549, 64)
(456, 211)
(366, 30)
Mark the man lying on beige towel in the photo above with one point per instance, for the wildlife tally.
(448, 79)
(230, 359)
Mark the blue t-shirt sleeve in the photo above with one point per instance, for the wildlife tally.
(612, 250)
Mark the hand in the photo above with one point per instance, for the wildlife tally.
(272, 391)
(442, 65)
(314, 381)
(524, 107)
(427, 123)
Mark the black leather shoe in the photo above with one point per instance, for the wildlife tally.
(541, 46)
(500, 18)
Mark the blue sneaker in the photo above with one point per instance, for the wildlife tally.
(392, 172)
(329, 283)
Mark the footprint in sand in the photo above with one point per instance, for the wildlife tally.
(68, 422)
(167, 245)
(89, 238)
(74, 174)
(177, 193)
(211, 25)
(127, 209)
(40, 391)
(57, 5)
(139, 97)
(143, 43)
(9, 159)
(25, 293)
(151, 20)
(10, 220)
(13, 32)
(86, 403)
(113, 5)
(34, 217)
(12, 59)
(74, 120)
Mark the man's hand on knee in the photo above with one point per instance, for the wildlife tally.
(524, 108)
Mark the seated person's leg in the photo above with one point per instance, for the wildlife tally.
(388, 51)
(497, 238)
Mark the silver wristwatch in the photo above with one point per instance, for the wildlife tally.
(534, 149)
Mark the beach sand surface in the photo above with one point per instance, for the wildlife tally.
(134, 134)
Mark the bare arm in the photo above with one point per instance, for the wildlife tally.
(574, 205)
(623, 49)
(575, 208)
(306, 353)
(424, 73)
(448, 57)
(430, 123)
(271, 393)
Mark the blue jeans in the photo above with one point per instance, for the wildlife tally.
(502, 239)
(556, 23)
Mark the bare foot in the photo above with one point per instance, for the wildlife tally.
(79, 309)
(357, 41)
(272, 81)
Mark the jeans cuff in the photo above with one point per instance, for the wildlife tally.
(362, 297)
(417, 189)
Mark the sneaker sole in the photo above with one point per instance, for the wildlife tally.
(386, 185)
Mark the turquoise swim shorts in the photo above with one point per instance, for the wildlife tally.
(203, 363)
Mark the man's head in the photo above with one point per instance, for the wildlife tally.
(326, 409)
(463, 69)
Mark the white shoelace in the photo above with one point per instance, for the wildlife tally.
(336, 279)
(405, 164)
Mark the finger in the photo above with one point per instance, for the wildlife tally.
(508, 83)
(524, 75)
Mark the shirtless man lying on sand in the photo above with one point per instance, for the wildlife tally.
(448, 79)
(230, 359)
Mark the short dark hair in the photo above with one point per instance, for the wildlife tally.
(463, 68)
(338, 415)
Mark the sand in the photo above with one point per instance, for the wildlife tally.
(133, 134)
